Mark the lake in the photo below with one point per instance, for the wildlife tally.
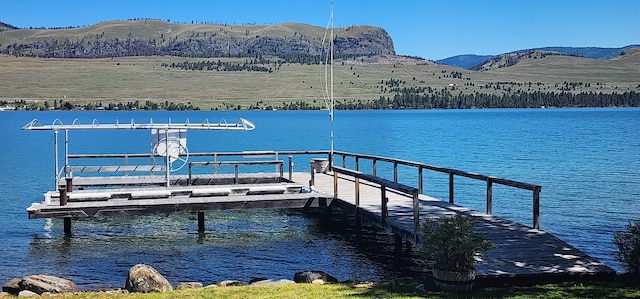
(586, 160)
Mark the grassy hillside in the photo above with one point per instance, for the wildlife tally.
(154, 37)
(118, 80)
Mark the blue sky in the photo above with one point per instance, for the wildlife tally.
(433, 29)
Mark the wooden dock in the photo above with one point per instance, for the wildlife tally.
(523, 253)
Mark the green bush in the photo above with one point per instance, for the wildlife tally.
(629, 247)
(451, 243)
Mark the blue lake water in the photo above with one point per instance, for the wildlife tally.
(586, 160)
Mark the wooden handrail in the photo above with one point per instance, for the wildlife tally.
(452, 173)
(384, 185)
(490, 180)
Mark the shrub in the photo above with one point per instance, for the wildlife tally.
(629, 247)
(451, 243)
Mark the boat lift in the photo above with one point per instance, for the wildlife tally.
(168, 140)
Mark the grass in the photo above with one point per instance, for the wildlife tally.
(128, 79)
(623, 287)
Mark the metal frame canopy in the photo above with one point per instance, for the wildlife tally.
(161, 128)
(240, 125)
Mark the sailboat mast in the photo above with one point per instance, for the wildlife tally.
(331, 97)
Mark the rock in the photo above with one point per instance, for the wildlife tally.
(271, 282)
(256, 279)
(311, 276)
(188, 285)
(12, 286)
(46, 283)
(231, 283)
(27, 293)
(4, 294)
(318, 281)
(145, 279)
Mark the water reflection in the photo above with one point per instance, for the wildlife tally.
(236, 245)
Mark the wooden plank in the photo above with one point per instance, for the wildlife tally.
(523, 251)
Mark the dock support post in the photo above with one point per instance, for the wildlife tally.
(201, 222)
(63, 196)
(67, 226)
(69, 181)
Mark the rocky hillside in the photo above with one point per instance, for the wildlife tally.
(507, 60)
(291, 41)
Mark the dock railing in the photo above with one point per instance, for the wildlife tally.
(384, 185)
(215, 157)
(452, 173)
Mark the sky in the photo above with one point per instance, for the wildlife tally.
(431, 29)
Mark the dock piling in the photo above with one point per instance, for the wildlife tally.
(67, 226)
(201, 227)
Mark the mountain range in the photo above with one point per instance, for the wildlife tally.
(471, 61)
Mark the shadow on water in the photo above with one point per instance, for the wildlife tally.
(236, 245)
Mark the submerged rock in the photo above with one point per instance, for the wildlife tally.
(145, 279)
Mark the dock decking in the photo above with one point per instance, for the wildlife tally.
(522, 252)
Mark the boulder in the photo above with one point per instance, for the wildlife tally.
(313, 276)
(12, 286)
(145, 279)
(45, 283)
(27, 293)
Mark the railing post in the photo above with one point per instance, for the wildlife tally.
(344, 161)
(420, 180)
(536, 207)
(330, 159)
(126, 162)
(312, 181)
(290, 167)
(383, 206)
(235, 178)
(416, 217)
(450, 187)
(395, 171)
(335, 184)
(357, 162)
(489, 196)
(189, 178)
(357, 181)
(281, 168)
(215, 166)
(375, 161)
